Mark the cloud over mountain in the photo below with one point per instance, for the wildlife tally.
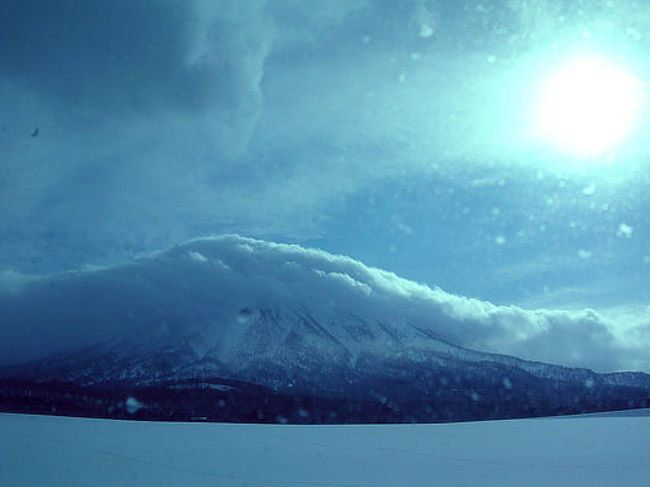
(218, 280)
(389, 131)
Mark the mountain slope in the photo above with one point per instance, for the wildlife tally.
(216, 287)
(281, 322)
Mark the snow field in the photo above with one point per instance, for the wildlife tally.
(576, 451)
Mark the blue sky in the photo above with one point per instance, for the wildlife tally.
(397, 133)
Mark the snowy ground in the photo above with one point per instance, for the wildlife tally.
(578, 451)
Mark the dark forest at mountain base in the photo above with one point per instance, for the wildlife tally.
(221, 400)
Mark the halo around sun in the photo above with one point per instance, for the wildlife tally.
(588, 107)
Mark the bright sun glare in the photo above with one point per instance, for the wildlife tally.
(588, 107)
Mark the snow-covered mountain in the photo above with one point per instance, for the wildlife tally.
(224, 291)
(294, 321)
(280, 347)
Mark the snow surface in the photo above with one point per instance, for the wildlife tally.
(577, 451)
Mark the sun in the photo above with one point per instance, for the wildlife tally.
(588, 107)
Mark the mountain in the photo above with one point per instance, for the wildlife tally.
(243, 330)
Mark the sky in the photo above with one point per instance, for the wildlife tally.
(401, 134)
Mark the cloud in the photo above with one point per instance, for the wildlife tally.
(141, 109)
(164, 121)
(12, 282)
(160, 121)
(212, 280)
(146, 113)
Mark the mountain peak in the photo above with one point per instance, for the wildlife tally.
(212, 291)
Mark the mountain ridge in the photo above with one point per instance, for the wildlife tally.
(299, 322)
(215, 280)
